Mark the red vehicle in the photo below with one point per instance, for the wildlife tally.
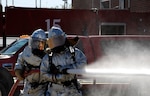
(94, 47)
(8, 57)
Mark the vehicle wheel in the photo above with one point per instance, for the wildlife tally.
(2, 90)
(17, 93)
(6, 79)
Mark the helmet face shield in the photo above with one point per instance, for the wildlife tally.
(38, 40)
(56, 41)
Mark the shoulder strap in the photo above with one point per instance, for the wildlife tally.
(72, 51)
(50, 57)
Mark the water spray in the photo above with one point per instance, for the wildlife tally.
(110, 72)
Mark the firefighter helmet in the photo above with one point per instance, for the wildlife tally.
(56, 37)
(37, 37)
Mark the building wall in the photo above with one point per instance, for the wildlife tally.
(85, 4)
(140, 6)
(75, 21)
(1, 21)
(132, 5)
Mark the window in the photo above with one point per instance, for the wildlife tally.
(121, 4)
(114, 4)
(104, 4)
(112, 29)
(14, 47)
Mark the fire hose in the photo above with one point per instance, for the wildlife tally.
(95, 72)
(14, 86)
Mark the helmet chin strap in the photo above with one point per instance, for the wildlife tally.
(58, 49)
(39, 53)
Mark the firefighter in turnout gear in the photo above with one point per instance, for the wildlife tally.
(62, 56)
(28, 64)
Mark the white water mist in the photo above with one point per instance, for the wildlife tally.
(123, 57)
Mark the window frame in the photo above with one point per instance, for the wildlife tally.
(113, 24)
